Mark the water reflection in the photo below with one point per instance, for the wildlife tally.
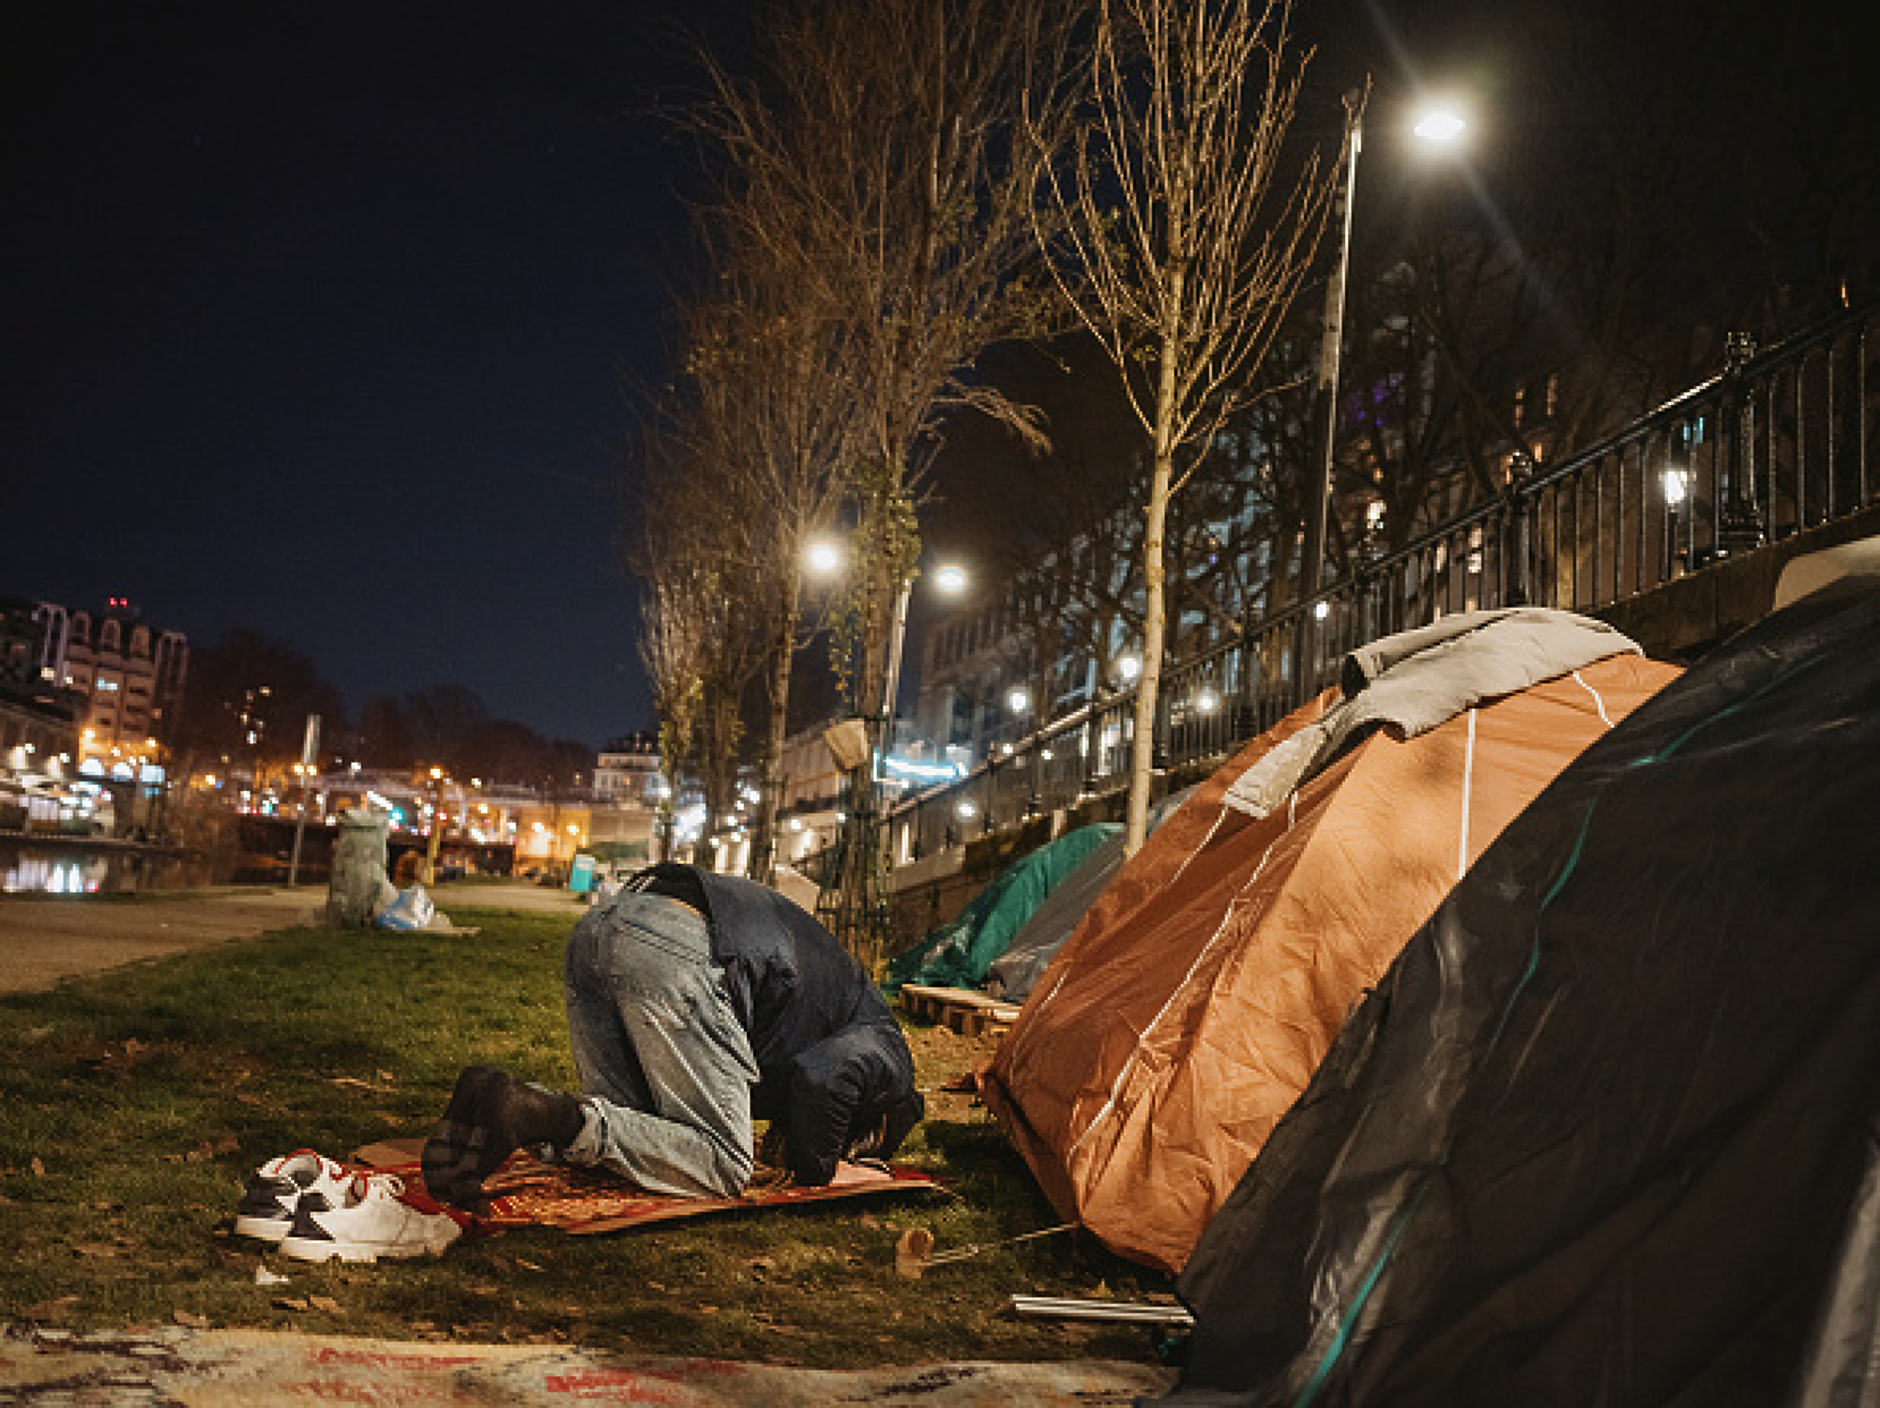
(61, 868)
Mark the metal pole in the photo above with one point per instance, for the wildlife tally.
(891, 686)
(1325, 400)
(309, 750)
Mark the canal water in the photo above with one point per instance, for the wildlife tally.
(59, 866)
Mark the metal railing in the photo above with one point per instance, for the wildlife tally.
(1777, 443)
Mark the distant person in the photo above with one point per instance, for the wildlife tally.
(696, 1003)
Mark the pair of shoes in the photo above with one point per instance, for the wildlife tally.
(491, 1115)
(880, 1137)
(276, 1190)
(383, 1219)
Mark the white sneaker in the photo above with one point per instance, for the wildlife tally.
(381, 1220)
(276, 1190)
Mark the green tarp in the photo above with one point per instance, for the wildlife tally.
(958, 955)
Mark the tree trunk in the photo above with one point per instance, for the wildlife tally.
(762, 865)
(1154, 609)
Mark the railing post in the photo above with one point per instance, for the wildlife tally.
(1518, 539)
(1742, 526)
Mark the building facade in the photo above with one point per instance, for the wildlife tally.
(130, 678)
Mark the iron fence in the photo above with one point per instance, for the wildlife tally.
(1776, 443)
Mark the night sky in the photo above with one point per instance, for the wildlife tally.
(318, 317)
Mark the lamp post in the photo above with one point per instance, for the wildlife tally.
(1437, 125)
(1331, 341)
(853, 896)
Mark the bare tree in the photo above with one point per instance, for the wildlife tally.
(700, 643)
(878, 166)
(761, 369)
(1187, 244)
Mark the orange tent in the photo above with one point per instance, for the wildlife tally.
(1191, 1006)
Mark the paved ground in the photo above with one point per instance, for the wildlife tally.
(45, 939)
(204, 1367)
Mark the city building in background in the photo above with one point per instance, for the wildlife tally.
(627, 772)
(129, 677)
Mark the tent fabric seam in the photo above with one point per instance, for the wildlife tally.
(1129, 1066)
(1468, 791)
(1599, 701)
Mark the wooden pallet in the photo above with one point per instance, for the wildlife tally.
(960, 1009)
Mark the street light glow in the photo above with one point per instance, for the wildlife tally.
(824, 557)
(949, 577)
(1677, 485)
(1441, 124)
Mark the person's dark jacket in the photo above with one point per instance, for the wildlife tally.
(831, 1058)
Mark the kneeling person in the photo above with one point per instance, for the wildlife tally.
(696, 1002)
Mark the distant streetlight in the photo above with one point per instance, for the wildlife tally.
(1018, 699)
(824, 557)
(1677, 487)
(948, 577)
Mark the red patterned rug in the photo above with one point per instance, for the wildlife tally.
(526, 1192)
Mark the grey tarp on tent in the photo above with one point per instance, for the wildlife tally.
(1605, 1132)
(958, 954)
(1038, 939)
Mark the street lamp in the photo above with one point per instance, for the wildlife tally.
(1439, 125)
(948, 577)
(1677, 488)
(853, 900)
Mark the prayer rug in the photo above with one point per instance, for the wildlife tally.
(525, 1192)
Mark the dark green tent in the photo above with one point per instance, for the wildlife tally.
(957, 955)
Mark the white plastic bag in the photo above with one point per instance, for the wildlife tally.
(411, 910)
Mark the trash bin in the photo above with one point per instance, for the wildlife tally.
(358, 885)
(581, 874)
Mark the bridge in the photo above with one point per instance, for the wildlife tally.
(1674, 530)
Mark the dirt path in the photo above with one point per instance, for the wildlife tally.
(44, 940)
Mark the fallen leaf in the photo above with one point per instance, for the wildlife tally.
(913, 1252)
(388, 1077)
(326, 1303)
(869, 1221)
(290, 1303)
(763, 1264)
(39, 1168)
(51, 1309)
(190, 1319)
(528, 1265)
(97, 1249)
(212, 1149)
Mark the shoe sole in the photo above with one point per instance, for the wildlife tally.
(307, 1249)
(262, 1229)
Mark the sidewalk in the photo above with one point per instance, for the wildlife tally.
(240, 1367)
(44, 940)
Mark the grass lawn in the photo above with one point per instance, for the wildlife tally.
(134, 1105)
